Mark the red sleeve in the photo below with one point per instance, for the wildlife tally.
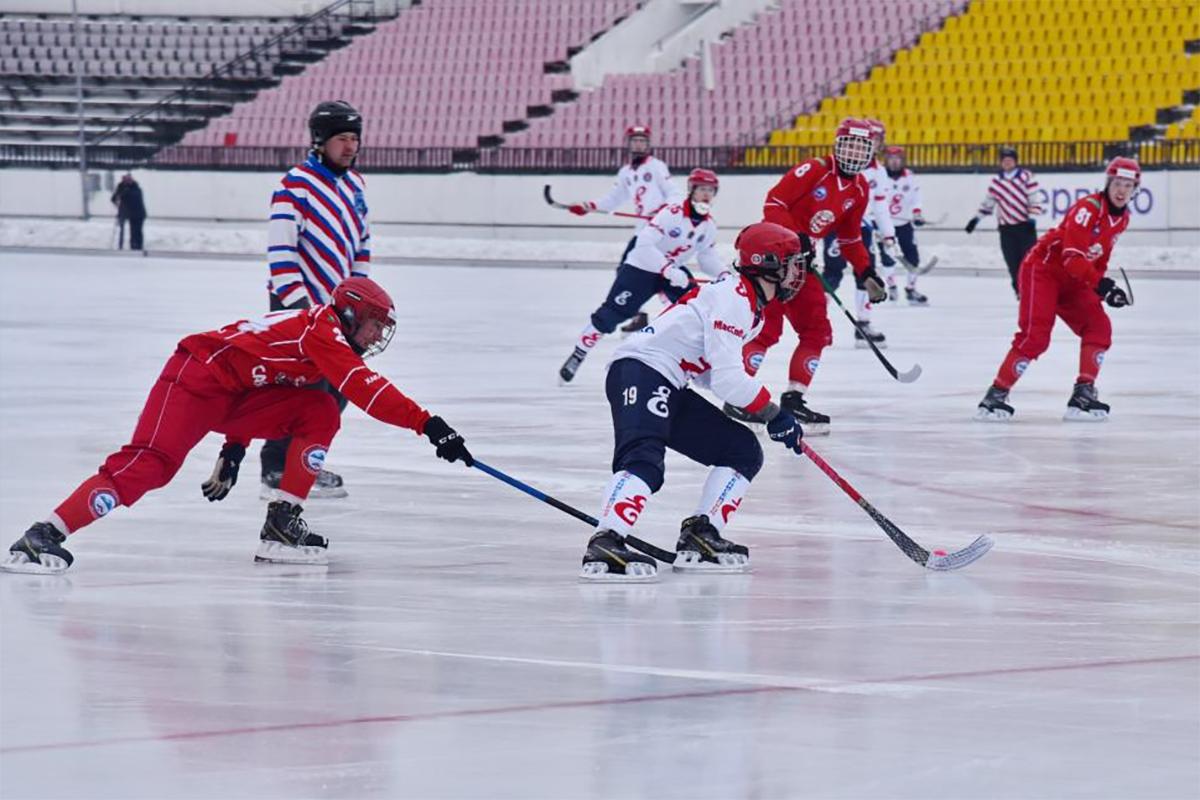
(324, 343)
(849, 237)
(1076, 235)
(794, 185)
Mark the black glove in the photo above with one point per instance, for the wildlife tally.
(449, 444)
(870, 283)
(784, 428)
(225, 473)
(1113, 295)
(971, 225)
(296, 305)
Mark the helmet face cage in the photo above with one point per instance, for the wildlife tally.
(368, 328)
(788, 274)
(853, 153)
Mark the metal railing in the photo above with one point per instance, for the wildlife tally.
(726, 159)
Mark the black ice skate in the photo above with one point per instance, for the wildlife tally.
(863, 332)
(994, 406)
(915, 298)
(1085, 405)
(893, 292)
(39, 551)
(814, 423)
(701, 549)
(286, 539)
(567, 372)
(639, 321)
(329, 485)
(608, 560)
(740, 414)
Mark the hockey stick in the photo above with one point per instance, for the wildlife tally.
(566, 207)
(1128, 288)
(938, 560)
(903, 377)
(634, 542)
(915, 270)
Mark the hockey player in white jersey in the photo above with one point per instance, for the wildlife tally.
(655, 262)
(644, 179)
(699, 339)
(902, 197)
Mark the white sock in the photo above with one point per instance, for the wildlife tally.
(57, 522)
(589, 336)
(797, 386)
(912, 280)
(862, 306)
(889, 273)
(624, 500)
(722, 494)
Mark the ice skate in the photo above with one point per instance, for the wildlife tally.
(567, 372)
(863, 332)
(328, 486)
(286, 539)
(639, 321)
(608, 560)
(814, 423)
(994, 406)
(1085, 405)
(893, 292)
(915, 298)
(702, 549)
(38, 552)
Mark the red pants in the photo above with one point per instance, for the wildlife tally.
(1047, 291)
(185, 404)
(810, 319)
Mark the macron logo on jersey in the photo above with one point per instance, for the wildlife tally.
(725, 326)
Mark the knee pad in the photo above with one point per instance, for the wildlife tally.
(649, 472)
(746, 455)
(606, 318)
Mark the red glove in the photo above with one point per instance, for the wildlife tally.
(580, 209)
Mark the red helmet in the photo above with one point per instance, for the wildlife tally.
(853, 145)
(637, 130)
(772, 252)
(878, 131)
(702, 177)
(367, 314)
(1122, 167)
(893, 150)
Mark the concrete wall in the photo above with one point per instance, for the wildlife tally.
(1167, 211)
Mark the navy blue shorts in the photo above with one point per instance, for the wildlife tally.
(630, 289)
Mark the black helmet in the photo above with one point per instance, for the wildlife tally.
(332, 117)
(1009, 152)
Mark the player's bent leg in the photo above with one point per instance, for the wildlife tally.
(630, 289)
(811, 322)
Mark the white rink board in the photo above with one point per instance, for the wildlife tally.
(448, 651)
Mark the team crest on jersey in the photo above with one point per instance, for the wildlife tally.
(647, 177)
(313, 458)
(360, 203)
(102, 501)
(820, 193)
(675, 233)
(821, 220)
(846, 205)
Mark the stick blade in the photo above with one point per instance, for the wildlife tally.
(911, 375)
(961, 558)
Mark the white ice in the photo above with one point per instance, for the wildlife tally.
(449, 651)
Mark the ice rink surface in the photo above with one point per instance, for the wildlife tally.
(449, 651)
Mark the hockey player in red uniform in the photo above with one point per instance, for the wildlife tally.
(1064, 276)
(247, 380)
(697, 340)
(820, 196)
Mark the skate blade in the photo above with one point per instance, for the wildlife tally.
(20, 563)
(280, 553)
(639, 572)
(726, 564)
(861, 344)
(983, 415)
(815, 429)
(331, 493)
(1078, 415)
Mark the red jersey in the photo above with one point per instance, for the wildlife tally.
(297, 348)
(1084, 240)
(814, 200)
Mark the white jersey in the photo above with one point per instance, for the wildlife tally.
(672, 239)
(877, 211)
(902, 196)
(648, 185)
(700, 339)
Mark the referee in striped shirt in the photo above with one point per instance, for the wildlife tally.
(1011, 194)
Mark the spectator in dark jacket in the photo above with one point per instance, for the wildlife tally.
(131, 207)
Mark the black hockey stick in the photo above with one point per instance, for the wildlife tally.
(903, 377)
(938, 560)
(917, 270)
(634, 542)
(1128, 288)
(565, 207)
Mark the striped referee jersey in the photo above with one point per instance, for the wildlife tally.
(1012, 196)
(318, 234)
